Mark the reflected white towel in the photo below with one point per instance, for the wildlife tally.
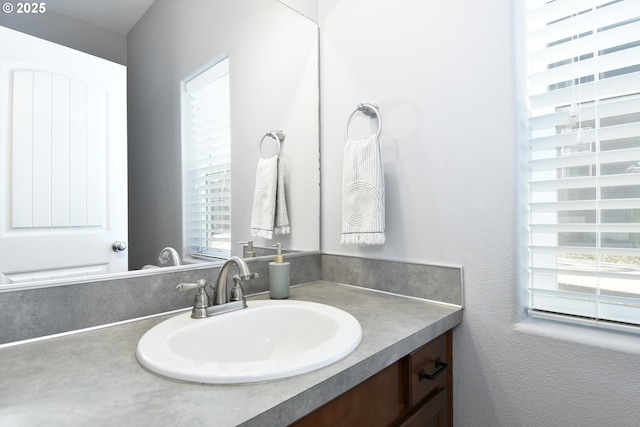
(269, 214)
(362, 193)
(281, 225)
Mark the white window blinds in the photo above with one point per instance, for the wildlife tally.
(584, 181)
(207, 164)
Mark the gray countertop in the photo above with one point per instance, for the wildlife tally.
(93, 378)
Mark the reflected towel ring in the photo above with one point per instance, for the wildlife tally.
(370, 110)
(278, 135)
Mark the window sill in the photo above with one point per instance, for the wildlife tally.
(621, 341)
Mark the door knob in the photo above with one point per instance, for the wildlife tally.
(119, 246)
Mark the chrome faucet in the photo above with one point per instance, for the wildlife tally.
(222, 303)
(220, 292)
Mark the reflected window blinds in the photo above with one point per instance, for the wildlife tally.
(207, 163)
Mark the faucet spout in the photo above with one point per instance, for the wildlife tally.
(167, 253)
(220, 293)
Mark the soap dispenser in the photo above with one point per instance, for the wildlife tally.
(278, 275)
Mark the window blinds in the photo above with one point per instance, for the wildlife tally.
(208, 163)
(584, 180)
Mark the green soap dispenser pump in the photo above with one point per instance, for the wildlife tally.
(279, 275)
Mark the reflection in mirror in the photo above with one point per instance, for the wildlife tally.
(273, 84)
(206, 163)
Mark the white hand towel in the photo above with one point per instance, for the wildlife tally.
(362, 193)
(269, 214)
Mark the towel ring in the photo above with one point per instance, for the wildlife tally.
(370, 110)
(278, 135)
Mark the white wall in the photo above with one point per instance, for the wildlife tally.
(274, 85)
(443, 74)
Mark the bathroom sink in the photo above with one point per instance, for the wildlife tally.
(267, 340)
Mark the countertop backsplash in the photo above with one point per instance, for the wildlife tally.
(32, 313)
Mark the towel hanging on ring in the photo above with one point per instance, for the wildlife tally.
(363, 194)
(269, 215)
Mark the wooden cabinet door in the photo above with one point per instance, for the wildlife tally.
(432, 414)
(413, 392)
(377, 401)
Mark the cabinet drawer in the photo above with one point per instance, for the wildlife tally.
(429, 368)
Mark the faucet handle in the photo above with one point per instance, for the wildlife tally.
(251, 276)
(201, 301)
(200, 284)
(237, 293)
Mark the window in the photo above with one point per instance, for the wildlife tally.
(584, 165)
(207, 163)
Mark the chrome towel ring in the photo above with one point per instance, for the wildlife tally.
(370, 110)
(278, 135)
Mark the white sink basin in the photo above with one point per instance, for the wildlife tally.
(265, 341)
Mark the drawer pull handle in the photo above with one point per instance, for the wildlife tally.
(440, 368)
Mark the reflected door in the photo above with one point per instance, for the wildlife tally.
(64, 184)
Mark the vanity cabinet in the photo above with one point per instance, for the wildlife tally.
(414, 391)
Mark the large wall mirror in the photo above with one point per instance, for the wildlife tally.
(272, 53)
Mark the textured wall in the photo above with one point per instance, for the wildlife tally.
(443, 74)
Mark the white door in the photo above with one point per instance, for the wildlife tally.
(63, 185)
